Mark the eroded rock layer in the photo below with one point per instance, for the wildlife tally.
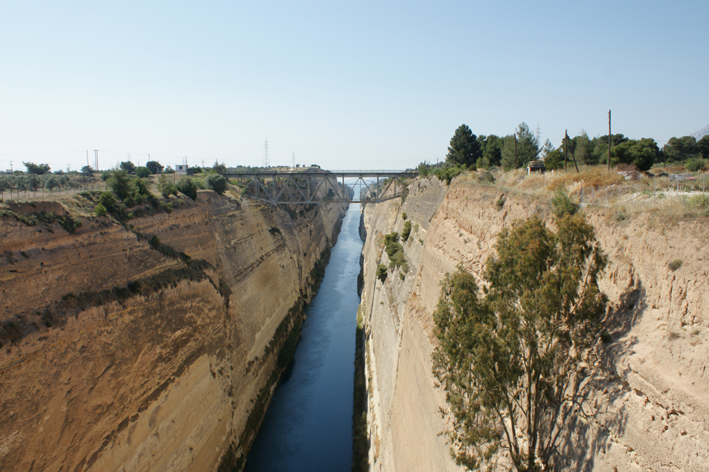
(651, 403)
(150, 347)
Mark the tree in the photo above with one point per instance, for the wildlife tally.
(702, 147)
(641, 153)
(600, 147)
(491, 151)
(154, 166)
(34, 170)
(128, 166)
(51, 183)
(219, 168)
(142, 172)
(87, 171)
(188, 187)
(527, 148)
(120, 184)
(679, 149)
(464, 148)
(510, 362)
(217, 183)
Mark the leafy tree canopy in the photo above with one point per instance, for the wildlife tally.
(510, 361)
(154, 166)
(128, 166)
(36, 169)
(464, 148)
(641, 153)
(527, 148)
(142, 172)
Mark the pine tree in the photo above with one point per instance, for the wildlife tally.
(464, 148)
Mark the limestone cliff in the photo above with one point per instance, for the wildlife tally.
(653, 412)
(151, 346)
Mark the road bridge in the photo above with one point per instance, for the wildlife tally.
(316, 186)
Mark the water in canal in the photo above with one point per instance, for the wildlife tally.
(308, 425)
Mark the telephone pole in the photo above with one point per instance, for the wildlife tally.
(610, 140)
(566, 148)
(96, 159)
(515, 150)
(293, 160)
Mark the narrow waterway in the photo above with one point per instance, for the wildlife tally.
(308, 426)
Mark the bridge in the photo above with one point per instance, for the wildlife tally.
(316, 186)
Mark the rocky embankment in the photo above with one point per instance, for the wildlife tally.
(649, 392)
(153, 346)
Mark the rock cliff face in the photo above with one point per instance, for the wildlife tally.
(153, 347)
(651, 399)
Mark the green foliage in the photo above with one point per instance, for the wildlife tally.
(554, 160)
(562, 204)
(382, 272)
(188, 187)
(695, 164)
(640, 153)
(406, 232)
(87, 171)
(142, 172)
(36, 169)
(491, 151)
(509, 361)
(166, 187)
(679, 149)
(217, 183)
(700, 202)
(219, 168)
(100, 210)
(128, 166)
(169, 170)
(527, 148)
(424, 170)
(120, 184)
(464, 148)
(447, 173)
(404, 216)
(500, 203)
(395, 252)
(154, 166)
(108, 201)
(674, 265)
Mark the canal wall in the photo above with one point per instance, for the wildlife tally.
(152, 345)
(651, 404)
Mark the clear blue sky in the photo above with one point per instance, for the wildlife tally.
(358, 84)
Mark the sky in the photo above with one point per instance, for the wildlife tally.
(346, 85)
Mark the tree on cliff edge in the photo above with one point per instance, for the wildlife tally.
(464, 147)
(509, 356)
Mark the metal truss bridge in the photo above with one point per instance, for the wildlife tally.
(344, 186)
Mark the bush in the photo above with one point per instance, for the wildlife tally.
(404, 216)
(698, 201)
(447, 173)
(142, 172)
(382, 272)
(674, 265)
(120, 183)
(407, 231)
(217, 183)
(107, 200)
(423, 170)
(188, 187)
(562, 204)
(695, 164)
(100, 210)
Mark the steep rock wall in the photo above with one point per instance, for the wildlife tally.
(651, 395)
(119, 354)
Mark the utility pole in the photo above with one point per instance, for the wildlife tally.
(11, 171)
(610, 140)
(265, 154)
(96, 159)
(566, 148)
(515, 150)
(293, 160)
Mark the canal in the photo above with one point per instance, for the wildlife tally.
(308, 425)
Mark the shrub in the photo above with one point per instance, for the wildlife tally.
(562, 204)
(100, 210)
(120, 183)
(188, 187)
(107, 200)
(695, 164)
(500, 203)
(407, 231)
(382, 272)
(698, 201)
(168, 188)
(674, 265)
(217, 183)
(142, 172)
(404, 216)
(423, 170)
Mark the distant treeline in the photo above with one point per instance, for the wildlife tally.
(519, 149)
